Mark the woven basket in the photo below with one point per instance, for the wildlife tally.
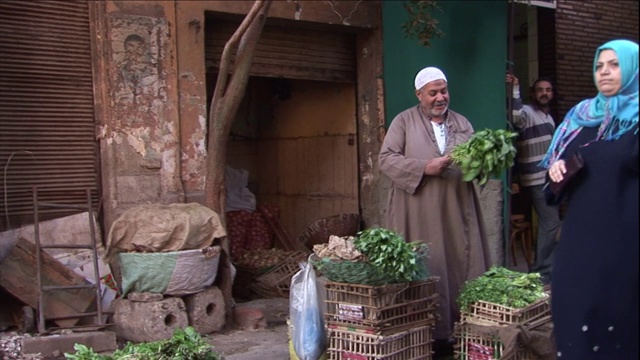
(338, 225)
(277, 280)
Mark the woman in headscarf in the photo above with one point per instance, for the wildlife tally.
(594, 297)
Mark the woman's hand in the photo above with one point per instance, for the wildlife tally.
(557, 171)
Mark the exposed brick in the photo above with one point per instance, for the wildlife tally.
(577, 37)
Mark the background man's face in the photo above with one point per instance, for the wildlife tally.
(542, 93)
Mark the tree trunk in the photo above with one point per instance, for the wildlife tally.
(228, 93)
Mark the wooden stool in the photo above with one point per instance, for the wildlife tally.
(521, 230)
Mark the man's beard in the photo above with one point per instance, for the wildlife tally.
(432, 112)
(541, 104)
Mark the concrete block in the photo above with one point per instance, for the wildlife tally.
(149, 321)
(206, 310)
(55, 345)
(144, 297)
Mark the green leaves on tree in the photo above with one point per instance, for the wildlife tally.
(421, 25)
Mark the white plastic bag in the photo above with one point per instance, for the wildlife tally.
(239, 197)
(309, 338)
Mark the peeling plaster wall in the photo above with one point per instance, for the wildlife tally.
(140, 131)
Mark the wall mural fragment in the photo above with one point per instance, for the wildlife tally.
(139, 84)
(142, 127)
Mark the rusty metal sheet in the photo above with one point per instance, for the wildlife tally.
(47, 126)
(294, 53)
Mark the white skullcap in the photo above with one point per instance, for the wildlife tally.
(428, 75)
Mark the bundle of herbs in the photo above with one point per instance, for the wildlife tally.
(503, 287)
(184, 344)
(486, 154)
(388, 259)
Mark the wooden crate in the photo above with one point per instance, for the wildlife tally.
(473, 346)
(383, 309)
(350, 344)
(482, 312)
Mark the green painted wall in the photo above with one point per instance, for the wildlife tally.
(472, 53)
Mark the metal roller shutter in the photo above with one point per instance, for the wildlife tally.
(281, 52)
(47, 128)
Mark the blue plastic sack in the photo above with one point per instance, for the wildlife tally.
(309, 338)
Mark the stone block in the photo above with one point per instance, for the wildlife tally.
(206, 310)
(149, 321)
(55, 345)
(145, 297)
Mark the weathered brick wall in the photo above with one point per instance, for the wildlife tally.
(582, 26)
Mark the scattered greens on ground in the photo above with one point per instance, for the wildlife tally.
(185, 344)
(388, 251)
(485, 155)
(503, 287)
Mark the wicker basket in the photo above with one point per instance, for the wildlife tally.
(486, 313)
(349, 344)
(275, 283)
(338, 225)
(383, 309)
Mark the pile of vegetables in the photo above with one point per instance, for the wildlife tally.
(387, 259)
(486, 154)
(503, 287)
(389, 252)
(184, 344)
(249, 230)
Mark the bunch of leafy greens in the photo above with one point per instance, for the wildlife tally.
(486, 154)
(389, 252)
(184, 344)
(503, 287)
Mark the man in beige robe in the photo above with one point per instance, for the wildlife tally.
(428, 200)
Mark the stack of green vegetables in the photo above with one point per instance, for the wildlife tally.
(503, 287)
(485, 155)
(389, 260)
(185, 344)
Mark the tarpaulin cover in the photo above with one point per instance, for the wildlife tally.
(164, 228)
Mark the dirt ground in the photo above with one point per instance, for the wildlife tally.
(265, 344)
(271, 343)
